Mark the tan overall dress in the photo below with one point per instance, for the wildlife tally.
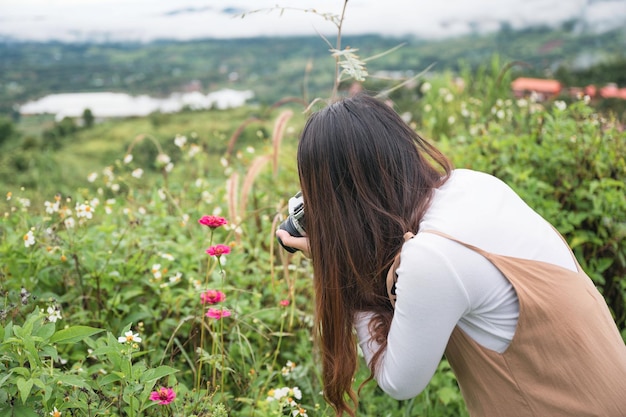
(566, 359)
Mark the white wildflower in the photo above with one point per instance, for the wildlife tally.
(161, 194)
(84, 211)
(193, 150)
(108, 172)
(129, 337)
(69, 223)
(180, 140)
(167, 256)
(176, 278)
(299, 412)
(296, 393)
(156, 271)
(53, 314)
(51, 207)
(163, 159)
(29, 239)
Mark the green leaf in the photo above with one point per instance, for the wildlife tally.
(447, 394)
(72, 380)
(7, 376)
(7, 331)
(50, 352)
(25, 372)
(45, 331)
(18, 332)
(17, 410)
(31, 352)
(157, 373)
(74, 334)
(24, 387)
(109, 379)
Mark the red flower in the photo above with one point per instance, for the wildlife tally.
(212, 297)
(163, 395)
(218, 250)
(217, 313)
(284, 303)
(212, 221)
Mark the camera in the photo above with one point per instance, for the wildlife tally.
(294, 224)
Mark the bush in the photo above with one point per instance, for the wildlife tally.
(567, 162)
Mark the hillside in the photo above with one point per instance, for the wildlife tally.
(275, 67)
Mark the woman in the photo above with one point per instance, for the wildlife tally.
(484, 280)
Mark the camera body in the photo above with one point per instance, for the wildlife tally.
(294, 224)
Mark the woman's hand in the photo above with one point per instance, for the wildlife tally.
(301, 243)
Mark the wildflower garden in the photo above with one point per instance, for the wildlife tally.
(148, 281)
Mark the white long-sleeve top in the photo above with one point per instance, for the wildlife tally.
(443, 284)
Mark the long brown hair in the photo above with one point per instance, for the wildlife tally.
(366, 179)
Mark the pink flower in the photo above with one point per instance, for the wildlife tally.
(164, 395)
(284, 303)
(212, 221)
(218, 250)
(217, 313)
(212, 297)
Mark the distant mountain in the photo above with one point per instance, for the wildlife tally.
(274, 67)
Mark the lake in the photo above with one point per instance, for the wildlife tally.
(108, 104)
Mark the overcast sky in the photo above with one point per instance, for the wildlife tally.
(144, 20)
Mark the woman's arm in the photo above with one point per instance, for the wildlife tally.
(431, 300)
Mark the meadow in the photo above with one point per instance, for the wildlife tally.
(140, 275)
(156, 286)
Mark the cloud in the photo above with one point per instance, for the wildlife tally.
(145, 20)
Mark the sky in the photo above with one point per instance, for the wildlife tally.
(146, 20)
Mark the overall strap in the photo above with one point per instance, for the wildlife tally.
(392, 277)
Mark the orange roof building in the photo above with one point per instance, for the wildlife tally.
(612, 91)
(543, 88)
